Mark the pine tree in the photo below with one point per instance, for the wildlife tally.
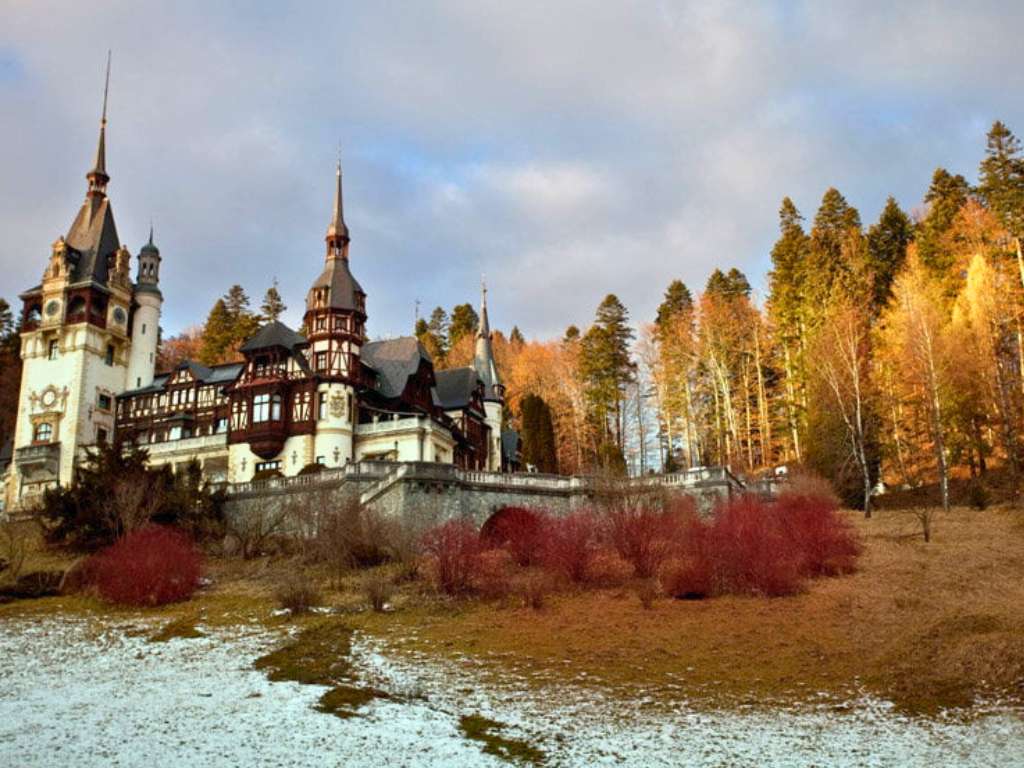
(515, 337)
(887, 243)
(678, 301)
(465, 322)
(729, 285)
(830, 263)
(1001, 178)
(244, 323)
(607, 367)
(439, 327)
(218, 334)
(789, 264)
(273, 306)
(538, 434)
(946, 195)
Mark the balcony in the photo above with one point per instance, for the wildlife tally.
(38, 462)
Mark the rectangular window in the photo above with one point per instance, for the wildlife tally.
(322, 460)
(262, 466)
(101, 436)
(54, 351)
(321, 409)
(260, 408)
(175, 433)
(221, 426)
(321, 323)
(143, 329)
(321, 361)
(109, 359)
(103, 402)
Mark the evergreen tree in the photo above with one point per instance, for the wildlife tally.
(515, 337)
(439, 328)
(218, 334)
(836, 227)
(538, 434)
(606, 368)
(946, 196)
(244, 323)
(572, 333)
(789, 264)
(887, 243)
(729, 285)
(236, 300)
(465, 322)
(678, 301)
(10, 372)
(1001, 178)
(273, 306)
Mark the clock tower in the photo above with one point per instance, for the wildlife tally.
(77, 336)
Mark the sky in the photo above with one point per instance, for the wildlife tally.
(566, 150)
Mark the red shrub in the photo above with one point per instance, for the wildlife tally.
(645, 537)
(151, 566)
(518, 530)
(749, 551)
(606, 568)
(689, 574)
(452, 549)
(492, 573)
(569, 544)
(828, 544)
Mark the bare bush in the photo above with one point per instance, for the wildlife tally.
(297, 594)
(533, 588)
(15, 540)
(647, 591)
(255, 528)
(378, 589)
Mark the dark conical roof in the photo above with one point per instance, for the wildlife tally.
(150, 246)
(483, 360)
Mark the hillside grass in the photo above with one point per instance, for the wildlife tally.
(927, 626)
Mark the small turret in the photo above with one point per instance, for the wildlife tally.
(148, 277)
(483, 360)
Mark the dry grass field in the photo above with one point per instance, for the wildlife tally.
(927, 626)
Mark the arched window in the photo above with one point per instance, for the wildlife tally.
(43, 432)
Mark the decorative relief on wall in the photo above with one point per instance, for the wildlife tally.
(337, 405)
(50, 399)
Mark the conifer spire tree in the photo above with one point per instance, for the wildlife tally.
(273, 305)
(829, 263)
(1001, 175)
(464, 323)
(887, 243)
(787, 307)
(946, 195)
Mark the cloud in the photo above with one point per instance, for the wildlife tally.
(567, 150)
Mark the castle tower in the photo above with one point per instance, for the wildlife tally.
(75, 342)
(494, 391)
(145, 317)
(335, 326)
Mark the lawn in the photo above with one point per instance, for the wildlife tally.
(927, 626)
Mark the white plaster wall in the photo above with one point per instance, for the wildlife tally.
(297, 453)
(145, 332)
(493, 412)
(335, 430)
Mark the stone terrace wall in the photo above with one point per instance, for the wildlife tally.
(424, 494)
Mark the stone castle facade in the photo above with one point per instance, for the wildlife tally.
(323, 398)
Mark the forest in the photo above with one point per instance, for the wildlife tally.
(886, 353)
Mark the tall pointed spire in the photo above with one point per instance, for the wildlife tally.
(98, 177)
(337, 231)
(483, 358)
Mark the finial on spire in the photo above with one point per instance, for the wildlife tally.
(337, 231)
(98, 177)
(150, 231)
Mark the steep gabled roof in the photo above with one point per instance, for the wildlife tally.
(394, 361)
(455, 387)
(274, 334)
(93, 235)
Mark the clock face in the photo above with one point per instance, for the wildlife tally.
(52, 307)
(119, 316)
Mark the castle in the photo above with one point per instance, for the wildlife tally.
(325, 397)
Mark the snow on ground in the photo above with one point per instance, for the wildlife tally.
(74, 694)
